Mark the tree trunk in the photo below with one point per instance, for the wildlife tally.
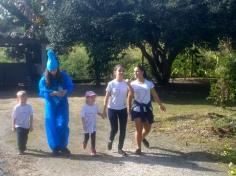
(98, 80)
(160, 65)
(166, 71)
(97, 73)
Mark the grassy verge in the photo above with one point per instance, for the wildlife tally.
(191, 118)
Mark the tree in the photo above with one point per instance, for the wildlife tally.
(22, 14)
(21, 21)
(223, 90)
(76, 27)
(161, 29)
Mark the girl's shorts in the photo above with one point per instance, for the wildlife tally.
(148, 116)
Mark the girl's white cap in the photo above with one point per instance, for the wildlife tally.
(90, 94)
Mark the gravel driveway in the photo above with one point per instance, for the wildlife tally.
(164, 158)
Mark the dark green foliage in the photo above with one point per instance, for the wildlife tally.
(229, 155)
(161, 29)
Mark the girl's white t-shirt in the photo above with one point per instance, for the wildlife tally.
(142, 92)
(118, 91)
(89, 114)
(21, 114)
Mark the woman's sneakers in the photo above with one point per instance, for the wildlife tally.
(122, 152)
(109, 145)
(145, 143)
(138, 152)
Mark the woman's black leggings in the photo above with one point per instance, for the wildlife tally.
(114, 117)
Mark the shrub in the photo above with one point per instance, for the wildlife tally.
(196, 61)
(229, 155)
(232, 169)
(76, 62)
(223, 90)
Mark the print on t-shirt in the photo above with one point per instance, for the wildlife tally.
(116, 92)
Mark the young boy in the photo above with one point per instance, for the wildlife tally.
(22, 120)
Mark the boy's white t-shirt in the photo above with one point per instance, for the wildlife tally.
(21, 114)
(89, 114)
(142, 92)
(118, 91)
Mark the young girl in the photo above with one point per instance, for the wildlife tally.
(88, 116)
(115, 105)
(141, 110)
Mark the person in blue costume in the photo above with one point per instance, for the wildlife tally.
(54, 87)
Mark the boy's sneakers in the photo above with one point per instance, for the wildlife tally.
(93, 152)
(21, 151)
(84, 145)
(145, 143)
(109, 145)
(122, 152)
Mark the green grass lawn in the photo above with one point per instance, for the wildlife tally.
(194, 119)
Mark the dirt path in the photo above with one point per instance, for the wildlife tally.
(165, 157)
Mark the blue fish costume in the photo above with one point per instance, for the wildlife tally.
(56, 107)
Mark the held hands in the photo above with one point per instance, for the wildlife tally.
(60, 93)
(129, 113)
(101, 114)
(104, 113)
(55, 93)
(13, 129)
(31, 129)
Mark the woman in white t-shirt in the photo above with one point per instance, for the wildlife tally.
(141, 110)
(115, 105)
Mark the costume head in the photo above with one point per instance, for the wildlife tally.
(52, 63)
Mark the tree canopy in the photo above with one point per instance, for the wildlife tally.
(161, 29)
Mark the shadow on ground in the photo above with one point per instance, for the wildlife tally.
(164, 157)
